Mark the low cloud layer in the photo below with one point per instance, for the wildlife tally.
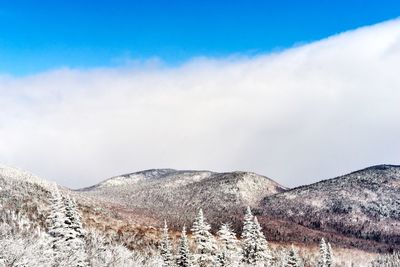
(297, 116)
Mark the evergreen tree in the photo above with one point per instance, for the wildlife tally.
(323, 252)
(75, 234)
(56, 227)
(329, 255)
(65, 229)
(262, 253)
(183, 257)
(166, 248)
(248, 244)
(205, 244)
(73, 218)
(292, 259)
(255, 249)
(228, 250)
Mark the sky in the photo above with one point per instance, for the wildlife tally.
(298, 92)
(37, 36)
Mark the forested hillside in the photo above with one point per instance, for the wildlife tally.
(150, 218)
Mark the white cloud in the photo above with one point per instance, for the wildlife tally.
(298, 116)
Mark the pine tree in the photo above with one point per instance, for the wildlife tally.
(73, 218)
(183, 257)
(205, 244)
(248, 244)
(65, 228)
(56, 227)
(75, 234)
(329, 256)
(228, 251)
(262, 253)
(292, 259)
(323, 252)
(166, 248)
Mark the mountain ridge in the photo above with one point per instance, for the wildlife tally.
(158, 193)
(159, 173)
(364, 204)
(356, 210)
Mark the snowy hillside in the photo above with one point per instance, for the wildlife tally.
(41, 226)
(24, 192)
(162, 193)
(359, 210)
(364, 204)
(12, 173)
(357, 213)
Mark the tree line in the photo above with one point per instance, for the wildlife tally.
(63, 241)
(252, 249)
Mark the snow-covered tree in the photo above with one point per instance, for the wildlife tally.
(184, 258)
(292, 259)
(119, 255)
(22, 245)
(324, 254)
(166, 248)
(25, 250)
(97, 247)
(255, 249)
(65, 228)
(262, 253)
(204, 241)
(228, 247)
(57, 228)
(279, 257)
(329, 256)
(102, 252)
(75, 234)
(248, 244)
(73, 218)
(387, 260)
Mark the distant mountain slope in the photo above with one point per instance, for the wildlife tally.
(177, 195)
(23, 193)
(361, 209)
(364, 204)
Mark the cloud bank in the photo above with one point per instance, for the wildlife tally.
(297, 116)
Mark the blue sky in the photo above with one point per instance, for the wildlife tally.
(36, 36)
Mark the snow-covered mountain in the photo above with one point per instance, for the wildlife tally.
(40, 225)
(177, 195)
(364, 205)
(358, 210)
(23, 192)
